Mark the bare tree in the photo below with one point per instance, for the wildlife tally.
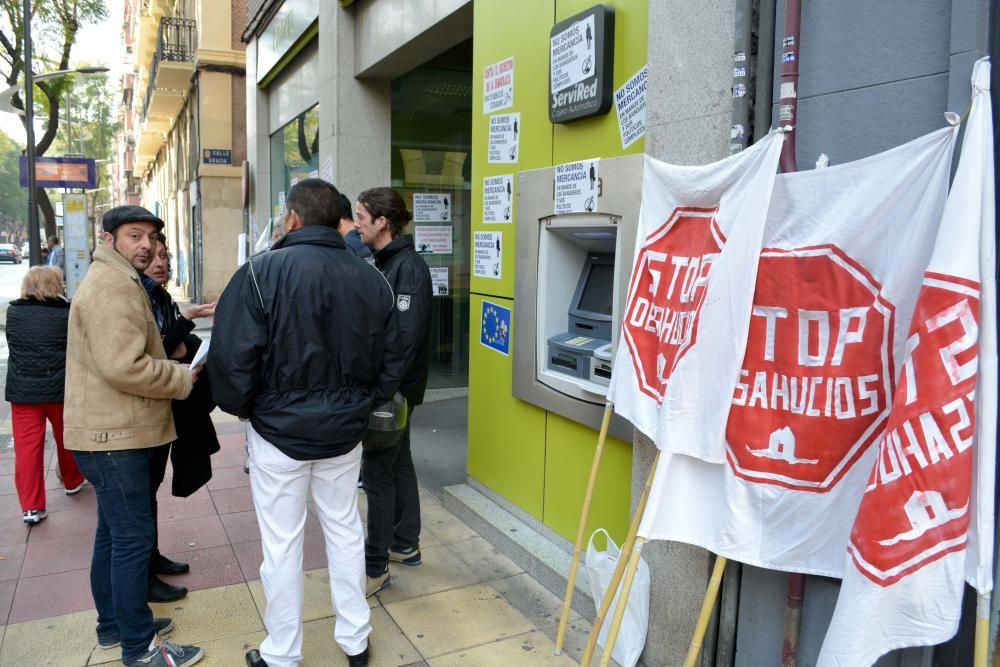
(55, 24)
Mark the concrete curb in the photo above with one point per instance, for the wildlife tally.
(536, 554)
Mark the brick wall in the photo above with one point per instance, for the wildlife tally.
(239, 119)
(239, 21)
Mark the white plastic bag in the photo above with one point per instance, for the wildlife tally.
(599, 566)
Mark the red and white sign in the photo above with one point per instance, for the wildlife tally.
(692, 279)
(916, 506)
(846, 251)
(818, 368)
(925, 522)
(666, 293)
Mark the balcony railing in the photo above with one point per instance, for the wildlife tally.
(175, 42)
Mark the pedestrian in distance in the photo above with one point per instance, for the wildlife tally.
(390, 480)
(36, 374)
(304, 344)
(57, 256)
(347, 229)
(196, 437)
(119, 385)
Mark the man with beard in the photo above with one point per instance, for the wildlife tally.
(119, 385)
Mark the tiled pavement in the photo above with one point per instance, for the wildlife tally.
(466, 605)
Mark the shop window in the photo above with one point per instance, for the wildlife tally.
(294, 157)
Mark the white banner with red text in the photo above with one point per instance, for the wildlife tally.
(844, 252)
(923, 524)
(696, 254)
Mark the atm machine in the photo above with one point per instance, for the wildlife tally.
(583, 351)
(570, 290)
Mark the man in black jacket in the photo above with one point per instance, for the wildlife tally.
(304, 343)
(390, 480)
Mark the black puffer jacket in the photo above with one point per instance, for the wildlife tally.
(410, 278)
(36, 337)
(304, 342)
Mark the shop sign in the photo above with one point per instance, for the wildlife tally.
(581, 65)
(288, 24)
(217, 156)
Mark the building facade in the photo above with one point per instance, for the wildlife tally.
(183, 139)
(394, 92)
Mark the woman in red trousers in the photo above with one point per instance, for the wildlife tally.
(36, 372)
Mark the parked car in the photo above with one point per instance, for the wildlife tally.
(10, 253)
(25, 250)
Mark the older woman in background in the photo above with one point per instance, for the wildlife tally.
(36, 373)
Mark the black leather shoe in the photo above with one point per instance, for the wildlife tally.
(163, 565)
(254, 659)
(359, 660)
(161, 591)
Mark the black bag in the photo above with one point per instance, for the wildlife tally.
(386, 424)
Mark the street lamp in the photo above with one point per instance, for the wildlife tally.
(34, 233)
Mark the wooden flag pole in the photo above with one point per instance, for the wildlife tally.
(616, 620)
(981, 654)
(706, 612)
(616, 576)
(582, 530)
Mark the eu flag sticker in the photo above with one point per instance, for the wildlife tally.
(494, 331)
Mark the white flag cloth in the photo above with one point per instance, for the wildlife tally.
(844, 251)
(925, 522)
(692, 279)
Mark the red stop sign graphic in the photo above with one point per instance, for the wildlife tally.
(816, 373)
(666, 293)
(916, 507)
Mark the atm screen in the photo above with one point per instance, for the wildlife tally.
(598, 291)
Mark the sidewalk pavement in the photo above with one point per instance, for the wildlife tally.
(466, 605)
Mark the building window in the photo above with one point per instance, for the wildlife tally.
(294, 157)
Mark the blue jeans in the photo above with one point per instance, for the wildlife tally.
(119, 570)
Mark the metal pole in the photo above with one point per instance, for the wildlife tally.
(34, 233)
(787, 112)
(789, 91)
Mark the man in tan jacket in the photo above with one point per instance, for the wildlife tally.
(119, 385)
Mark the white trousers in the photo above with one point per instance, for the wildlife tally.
(280, 487)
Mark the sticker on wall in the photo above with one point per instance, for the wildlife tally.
(571, 54)
(498, 198)
(494, 328)
(326, 169)
(630, 103)
(504, 134)
(498, 85)
(487, 254)
(281, 203)
(433, 240)
(439, 280)
(431, 207)
(576, 186)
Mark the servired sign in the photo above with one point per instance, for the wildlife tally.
(817, 371)
(916, 506)
(666, 292)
